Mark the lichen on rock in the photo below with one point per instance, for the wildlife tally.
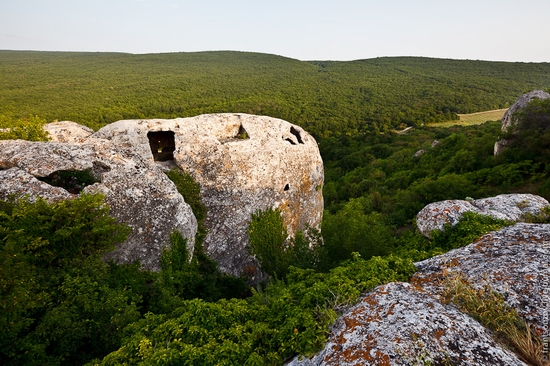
(513, 261)
(399, 324)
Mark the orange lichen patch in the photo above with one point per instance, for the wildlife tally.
(352, 354)
(439, 333)
(296, 208)
(454, 262)
(250, 271)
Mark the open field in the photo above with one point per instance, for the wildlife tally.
(473, 118)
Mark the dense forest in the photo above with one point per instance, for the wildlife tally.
(326, 98)
(61, 305)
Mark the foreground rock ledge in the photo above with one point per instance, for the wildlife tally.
(244, 164)
(397, 324)
(514, 261)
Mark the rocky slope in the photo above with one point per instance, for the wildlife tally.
(410, 324)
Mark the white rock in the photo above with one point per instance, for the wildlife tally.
(397, 324)
(511, 207)
(67, 131)
(513, 261)
(136, 190)
(275, 165)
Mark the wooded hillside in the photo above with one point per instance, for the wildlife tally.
(325, 97)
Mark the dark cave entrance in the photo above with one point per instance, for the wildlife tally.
(162, 145)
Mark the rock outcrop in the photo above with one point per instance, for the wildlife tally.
(412, 323)
(67, 131)
(512, 207)
(514, 261)
(136, 190)
(398, 324)
(244, 164)
(509, 120)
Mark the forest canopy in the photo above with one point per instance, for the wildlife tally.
(327, 98)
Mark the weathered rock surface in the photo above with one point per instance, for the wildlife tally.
(244, 163)
(397, 324)
(136, 190)
(67, 131)
(514, 261)
(410, 324)
(508, 120)
(511, 207)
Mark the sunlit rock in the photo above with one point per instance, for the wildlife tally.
(136, 190)
(244, 164)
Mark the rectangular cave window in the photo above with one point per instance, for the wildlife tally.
(162, 145)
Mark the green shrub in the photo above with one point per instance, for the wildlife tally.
(268, 242)
(470, 227)
(352, 230)
(30, 128)
(191, 192)
(285, 319)
(276, 252)
(56, 307)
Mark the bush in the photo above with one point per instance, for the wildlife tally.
(30, 128)
(55, 305)
(470, 227)
(276, 252)
(285, 319)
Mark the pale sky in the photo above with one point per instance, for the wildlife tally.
(496, 30)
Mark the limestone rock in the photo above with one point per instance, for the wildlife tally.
(397, 324)
(137, 192)
(508, 120)
(511, 207)
(244, 163)
(67, 131)
(512, 261)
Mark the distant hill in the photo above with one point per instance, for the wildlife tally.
(325, 97)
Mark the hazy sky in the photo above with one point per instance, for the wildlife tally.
(499, 30)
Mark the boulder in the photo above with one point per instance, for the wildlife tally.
(512, 207)
(512, 261)
(67, 131)
(398, 324)
(509, 120)
(136, 190)
(244, 164)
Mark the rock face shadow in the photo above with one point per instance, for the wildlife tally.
(162, 145)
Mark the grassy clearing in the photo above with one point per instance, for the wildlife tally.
(473, 118)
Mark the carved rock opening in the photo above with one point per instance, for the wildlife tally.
(242, 134)
(73, 181)
(296, 133)
(162, 144)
